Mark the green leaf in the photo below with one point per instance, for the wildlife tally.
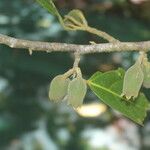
(50, 6)
(95, 75)
(133, 80)
(108, 88)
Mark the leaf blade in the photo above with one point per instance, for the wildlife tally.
(111, 95)
(48, 4)
(50, 7)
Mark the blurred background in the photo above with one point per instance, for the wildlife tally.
(28, 120)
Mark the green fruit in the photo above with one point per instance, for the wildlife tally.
(133, 80)
(146, 71)
(76, 92)
(58, 88)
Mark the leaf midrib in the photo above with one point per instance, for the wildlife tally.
(117, 95)
(106, 89)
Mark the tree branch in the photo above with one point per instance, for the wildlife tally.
(82, 49)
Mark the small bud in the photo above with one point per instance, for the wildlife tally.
(133, 80)
(58, 88)
(30, 51)
(74, 20)
(146, 71)
(76, 92)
